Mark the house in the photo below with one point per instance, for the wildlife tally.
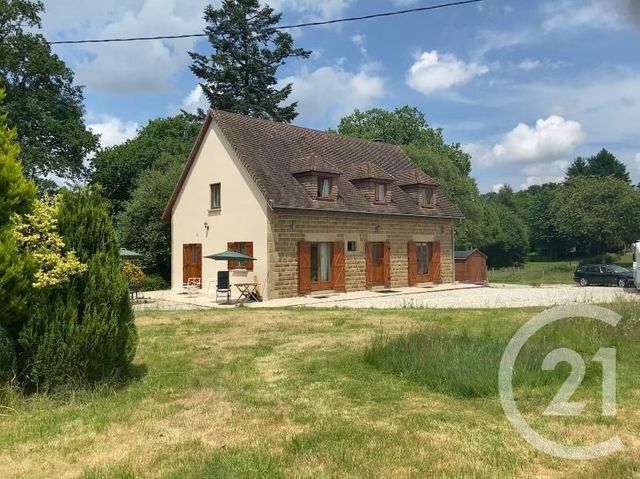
(319, 211)
(471, 266)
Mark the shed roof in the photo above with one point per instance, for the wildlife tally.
(465, 254)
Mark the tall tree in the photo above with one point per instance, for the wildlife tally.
(118, 168)
(403, 126)
(43, 104)
(240, 75)
(603, 164)
(504, 234)
(534, 206)
(141, 226)
(599, 215)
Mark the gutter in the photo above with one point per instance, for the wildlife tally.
(372, 213)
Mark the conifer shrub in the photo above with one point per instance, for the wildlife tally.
(16, 196)
(81, 331)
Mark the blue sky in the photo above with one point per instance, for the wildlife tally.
(525, 86)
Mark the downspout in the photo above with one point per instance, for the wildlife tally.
(453, 252)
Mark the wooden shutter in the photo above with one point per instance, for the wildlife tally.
(198, 265)
(338, 266)
(248, 250)
(304, 267)
(436, 260)
(368, 261)
(231, 264)
(387, 264)
(412, 260)
(186, 261)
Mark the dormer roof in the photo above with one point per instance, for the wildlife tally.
(415, 177)
(367, 170)
(313, 163)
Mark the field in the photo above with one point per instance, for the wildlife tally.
(536, 273)
(283, 393)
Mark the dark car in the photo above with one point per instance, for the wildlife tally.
(603, 274)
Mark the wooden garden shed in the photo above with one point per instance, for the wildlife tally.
(471, 266)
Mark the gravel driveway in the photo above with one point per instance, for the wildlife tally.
(500, 296)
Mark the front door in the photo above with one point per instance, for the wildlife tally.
(377, 263)
(192, 263)
(424, 262)
(321, 266)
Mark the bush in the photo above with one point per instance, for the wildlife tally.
(81, 331)
(608, 258)
(133, 273)
(7, 356)
(154, 283)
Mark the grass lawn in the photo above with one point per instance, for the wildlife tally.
(536, 273)
(309, 393)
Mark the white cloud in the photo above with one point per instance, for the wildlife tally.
(636, 159)
(360, 40)
(612, 14)
(433, 72)
(331, 92)
(497, 188)
(551, 139)
(547, 64)
(132, 67)
(194, 100)
(529, 65)
(113, 131)
(489, 40)
(313, 9)
(542, 173)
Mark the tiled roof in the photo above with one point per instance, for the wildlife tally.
(271, 151)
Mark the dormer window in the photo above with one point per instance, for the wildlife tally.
(428, 197)
(380, 192)
(325, 185)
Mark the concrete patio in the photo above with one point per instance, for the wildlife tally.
(433, 297)
(173, 300)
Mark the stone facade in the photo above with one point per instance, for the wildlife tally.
(286, 229)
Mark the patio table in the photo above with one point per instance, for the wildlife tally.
(248, 292)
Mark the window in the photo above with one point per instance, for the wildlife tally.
(381, 192)
(423, 254)
(377, 254)
(320, 262)
(324, 187)
(427, 197)
(215, 196)
(352, 246)
(243, 247)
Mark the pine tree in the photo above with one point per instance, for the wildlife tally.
(602, 165)
(240, 75)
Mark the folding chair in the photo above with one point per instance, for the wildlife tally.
(223, 288)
